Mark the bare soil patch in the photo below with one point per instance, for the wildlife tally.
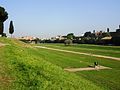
(6, 80)
(86, 69)
(2, 44)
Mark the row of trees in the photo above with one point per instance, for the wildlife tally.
(99, 37)
(111, 38)
(95, 37)
(3, 18)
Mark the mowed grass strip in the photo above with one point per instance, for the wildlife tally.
(109, 79)
(113, 51)
(28, 69)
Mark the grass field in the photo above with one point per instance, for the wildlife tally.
(113, 51)
(109, 79)
(24, 67)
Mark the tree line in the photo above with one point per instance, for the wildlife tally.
(104, 38)
(3, 18)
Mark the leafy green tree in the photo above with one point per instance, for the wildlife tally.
(11, 28)
(3, 17)
(87, 34)
(70, 36)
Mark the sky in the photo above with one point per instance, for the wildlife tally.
(49, 18)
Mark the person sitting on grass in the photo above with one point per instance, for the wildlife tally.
(95, 64)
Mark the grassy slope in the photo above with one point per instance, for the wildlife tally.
(110, 79)
(26, 68)
(94, 49)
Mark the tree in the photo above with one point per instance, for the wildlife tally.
(3, 17)
(70, 36)
(11, 28)
(108, 30)
(87, 34)
(1, 28)
(68, 42)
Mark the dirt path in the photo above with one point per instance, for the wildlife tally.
(86, 69)
(95, 55)
(1, 44)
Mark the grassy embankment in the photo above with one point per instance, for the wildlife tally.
(23, 67)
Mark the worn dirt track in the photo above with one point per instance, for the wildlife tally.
(88, 54)
(1, 44)
(86, 69)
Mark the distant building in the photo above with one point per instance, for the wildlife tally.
(29, 39)
(58, 37)
(115, 37)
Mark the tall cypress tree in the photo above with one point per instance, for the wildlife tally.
(11, 28)
(108, 30)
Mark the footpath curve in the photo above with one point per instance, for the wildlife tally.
(95, 55)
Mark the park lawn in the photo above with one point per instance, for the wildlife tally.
(23, 67)
(109, 79)
(113, 51)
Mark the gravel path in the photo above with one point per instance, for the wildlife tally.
(95, 55)
(86, 69)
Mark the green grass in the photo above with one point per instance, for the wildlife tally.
(23, 67)
(109, 79)
(113, 51)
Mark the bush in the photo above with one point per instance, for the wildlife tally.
(68, 42)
